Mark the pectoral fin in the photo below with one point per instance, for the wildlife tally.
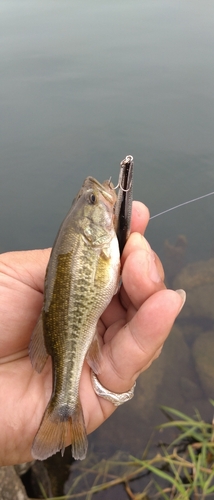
(37, 350)
(94, 355)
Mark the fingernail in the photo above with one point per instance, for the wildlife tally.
(182, 294)
(153, 272)
(145, 244)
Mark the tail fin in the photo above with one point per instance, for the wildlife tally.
(59, 427)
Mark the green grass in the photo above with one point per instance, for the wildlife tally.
(184, 470)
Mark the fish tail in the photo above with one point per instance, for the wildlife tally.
(79, 441)
(60, 426)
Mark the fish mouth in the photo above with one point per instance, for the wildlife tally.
(101, 187)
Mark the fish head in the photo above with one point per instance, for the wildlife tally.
(94, 208)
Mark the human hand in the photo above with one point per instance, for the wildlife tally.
(133, 329)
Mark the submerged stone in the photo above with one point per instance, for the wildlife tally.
(203, 350)
(197, 279)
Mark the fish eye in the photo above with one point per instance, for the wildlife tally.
(92, 198)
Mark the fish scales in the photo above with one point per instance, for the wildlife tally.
(81, 320)
(81, 278)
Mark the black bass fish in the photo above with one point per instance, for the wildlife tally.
(82, 276)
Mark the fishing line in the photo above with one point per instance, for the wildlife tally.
(182, 204)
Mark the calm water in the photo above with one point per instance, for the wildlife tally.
(83, 84)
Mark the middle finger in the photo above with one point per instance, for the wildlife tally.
(142, 273)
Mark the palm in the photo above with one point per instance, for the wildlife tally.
(24, 393)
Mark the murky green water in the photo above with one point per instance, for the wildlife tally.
(82, 85)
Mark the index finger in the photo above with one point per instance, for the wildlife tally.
(140, 217)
